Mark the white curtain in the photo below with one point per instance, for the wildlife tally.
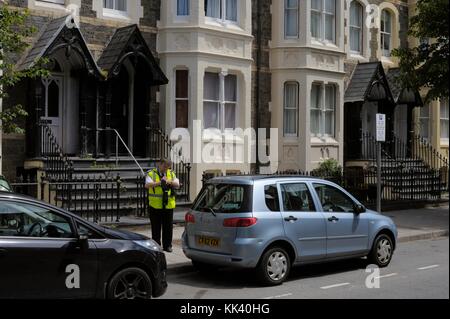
(330, 105)
(330, 12)
(356, 16)
(183, 7)
(316, 21)
(231, 9)
(316, 97)
(290, 108)
(109, 4)
(212, 8)
(291, 18)
(230, 88)
(230, 115)
(211, 104)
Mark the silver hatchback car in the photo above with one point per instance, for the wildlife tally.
(273, 223)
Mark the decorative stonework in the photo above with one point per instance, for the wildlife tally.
(223, 45)
(325, 62)
(291, 59)
(181, 42)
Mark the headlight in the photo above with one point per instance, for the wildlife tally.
(149, 244)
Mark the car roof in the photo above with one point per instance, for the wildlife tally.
(252, 179)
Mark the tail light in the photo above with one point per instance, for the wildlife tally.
(239, 222)
(189, 218)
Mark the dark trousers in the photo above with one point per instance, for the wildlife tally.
(162, 218)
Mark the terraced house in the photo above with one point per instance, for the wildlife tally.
(131, 71)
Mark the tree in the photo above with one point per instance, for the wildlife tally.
(427, 64)
(13, 32)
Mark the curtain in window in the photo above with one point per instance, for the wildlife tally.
(386, 29)
(230, 96)
(316, 18)
(444, 119)
(121, 5)
(231, 10)
(330, 10)
(182, 7)
(330, 105)
(290, 108)
(109, 4)
(211, 104)
(316, 101)
(356, 16)
(212, 8)
(291, 18)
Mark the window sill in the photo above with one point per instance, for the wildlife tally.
(324, 43)
(358, 56)
(212, 135)
(48, 5)
(216, 22)
(444, 142)
(115, 14)
(325, 140)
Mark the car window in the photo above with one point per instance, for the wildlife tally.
(271, 197)
(4, 185)
(333, 199)
(25, 220)
(86, 231)
(297, 198)
(225, 198)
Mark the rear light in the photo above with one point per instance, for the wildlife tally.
(239, 222)
(189, 218)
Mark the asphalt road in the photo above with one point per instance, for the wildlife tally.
(419, 269)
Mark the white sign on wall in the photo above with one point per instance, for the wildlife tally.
(381, 127)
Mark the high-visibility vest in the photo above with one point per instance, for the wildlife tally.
(155, 194)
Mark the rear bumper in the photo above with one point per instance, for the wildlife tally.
(246, 254)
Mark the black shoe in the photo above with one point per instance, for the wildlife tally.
(168, 249)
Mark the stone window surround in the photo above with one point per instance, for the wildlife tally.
(395, 37)
(364, 57)
(337, 12)
(327, 139)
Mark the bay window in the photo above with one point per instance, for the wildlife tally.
(182, 7)
(290, 116)
(291, 15)
(182, 98)
(356, 24)
(386, 33)
(322, 110)
(444, 120)
(219, 101)
(323, 20)
(221, 9)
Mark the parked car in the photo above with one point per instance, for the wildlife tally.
(4, 185)
(47, 252)
(273, 223)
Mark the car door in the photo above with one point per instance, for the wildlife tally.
(39, 253)
(347, 230)
(303, 223)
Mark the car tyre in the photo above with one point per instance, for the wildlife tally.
(382, 251)
(274, 267)
(130, 283)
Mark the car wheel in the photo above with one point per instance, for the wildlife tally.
(382, 251)
(130, 283)
(204, 267)
(274, 267)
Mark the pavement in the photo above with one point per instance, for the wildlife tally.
(412, 224)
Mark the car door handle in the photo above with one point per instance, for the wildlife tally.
(291, 219)
(333, 219)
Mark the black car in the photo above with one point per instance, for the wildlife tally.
(47, 252)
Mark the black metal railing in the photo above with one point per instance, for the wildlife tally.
(95, 199)
(57, 165)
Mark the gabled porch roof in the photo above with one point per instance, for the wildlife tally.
(402, 95)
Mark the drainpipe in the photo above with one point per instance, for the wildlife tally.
(258, 76)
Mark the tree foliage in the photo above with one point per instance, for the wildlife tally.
(13, 34)
(426, 65)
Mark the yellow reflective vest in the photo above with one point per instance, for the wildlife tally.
(155, 194)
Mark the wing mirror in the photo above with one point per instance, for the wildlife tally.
(83, 237)
(359, 209)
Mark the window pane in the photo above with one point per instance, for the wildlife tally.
(444, 119)
(212, 8)
(333, 200)
(109, 4)
(230, 115)
(290, 108)
(183, 7)
(386, 44)
(230, 88)
(272, 199)
(316, 20)
(330, 97)
(291, 24)
(297, 198)
(231, 8)
(121, 5)
(355, 39)
(225, 199)
(316, 4)
(387, 21)
(182, 113)
(330, 6)
(315, 122)
(316, 96)
(211, 114)
(329, 123)
(329, 27)
(182, 83)
(211, 86)
(290, 122)
(355, 14)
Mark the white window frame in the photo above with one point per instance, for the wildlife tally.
(384, 33)
(323, 109)
(221, 102)
(422, 118)
(115, 13)
(295, 108)
(61, 2)
(322, 23)
(444, 103)
(223, 14)
(286, 10)
(183, 15)
(360, 28)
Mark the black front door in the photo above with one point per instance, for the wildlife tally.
(39, 258)
(352, 130)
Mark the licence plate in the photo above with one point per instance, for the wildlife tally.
(207, 241)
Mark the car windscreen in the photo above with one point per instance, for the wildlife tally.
(224, 198)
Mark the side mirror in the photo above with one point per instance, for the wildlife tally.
(83, 238)
(359, 209)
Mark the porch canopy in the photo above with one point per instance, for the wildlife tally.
(61, 34)
(402, 95)
(128, 44)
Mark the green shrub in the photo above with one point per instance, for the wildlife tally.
(329, 167)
